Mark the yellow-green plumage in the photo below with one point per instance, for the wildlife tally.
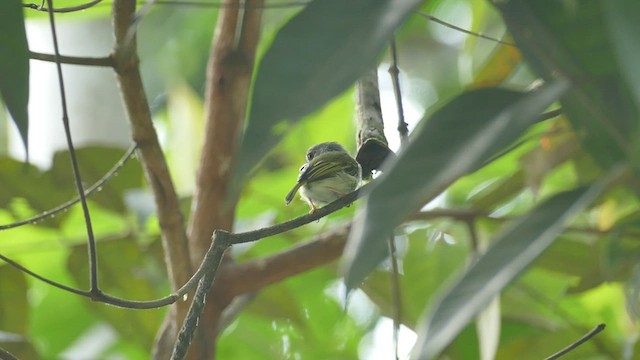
(330, 173)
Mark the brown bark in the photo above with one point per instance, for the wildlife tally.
(229, 74)
(171, 220)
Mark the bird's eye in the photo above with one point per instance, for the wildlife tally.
(309, 156)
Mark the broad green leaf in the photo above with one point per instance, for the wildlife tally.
(509, 255)
(14, 313)
(13, 301)
(44, 327)
(40, 192)
(571, 42)
(439, 259)
(299, 312)
(94, 163)
(318, 54)
(455, 141)
(127, 270)
(14, 65)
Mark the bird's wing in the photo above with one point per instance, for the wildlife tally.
(325, 168)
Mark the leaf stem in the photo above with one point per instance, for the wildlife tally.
(579, 342)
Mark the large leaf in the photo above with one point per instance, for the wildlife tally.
(38, 189)
(14, 313)
(95, 162)
(457, 139)
(318, 54)
(509, 255)
(572, 42)
(14, 64)
(129, 271)
(440, 259)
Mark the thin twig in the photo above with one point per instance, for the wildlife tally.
(394, 71)
(580, 341)
(473, 237)
(93, 261)
(396, 295)
(454, 27)
(106, 61)
(258, 234)
(200, 4)
(88, 192)
(549, 115)
(62, 10)
(206, 267)
(99, 296)
(573, 323)
(43, 279)
(214, 4)
(5, 355)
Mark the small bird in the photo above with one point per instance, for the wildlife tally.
(330, 173)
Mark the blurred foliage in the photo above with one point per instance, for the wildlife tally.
(588, 275)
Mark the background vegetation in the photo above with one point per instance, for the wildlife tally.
(516, 233)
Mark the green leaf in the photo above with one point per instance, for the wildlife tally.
(621, 20)
(129, 271)
(14, 313)
(29, 183)
(95, 162)
(318, 54)
(509, 255)
(559, 40)
(439, 259)
(457, 140)
(14, 65)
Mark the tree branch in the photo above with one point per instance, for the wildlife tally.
(170, 218)
(372, 144)
(227, 4)
(394, 72)
(254, 275)
(73, 60)
(229, 73)
(151, 156)
(228, 76)
(220, 242)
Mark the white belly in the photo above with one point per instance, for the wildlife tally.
(324, 191)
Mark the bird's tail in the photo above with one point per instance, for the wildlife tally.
(292, 193)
